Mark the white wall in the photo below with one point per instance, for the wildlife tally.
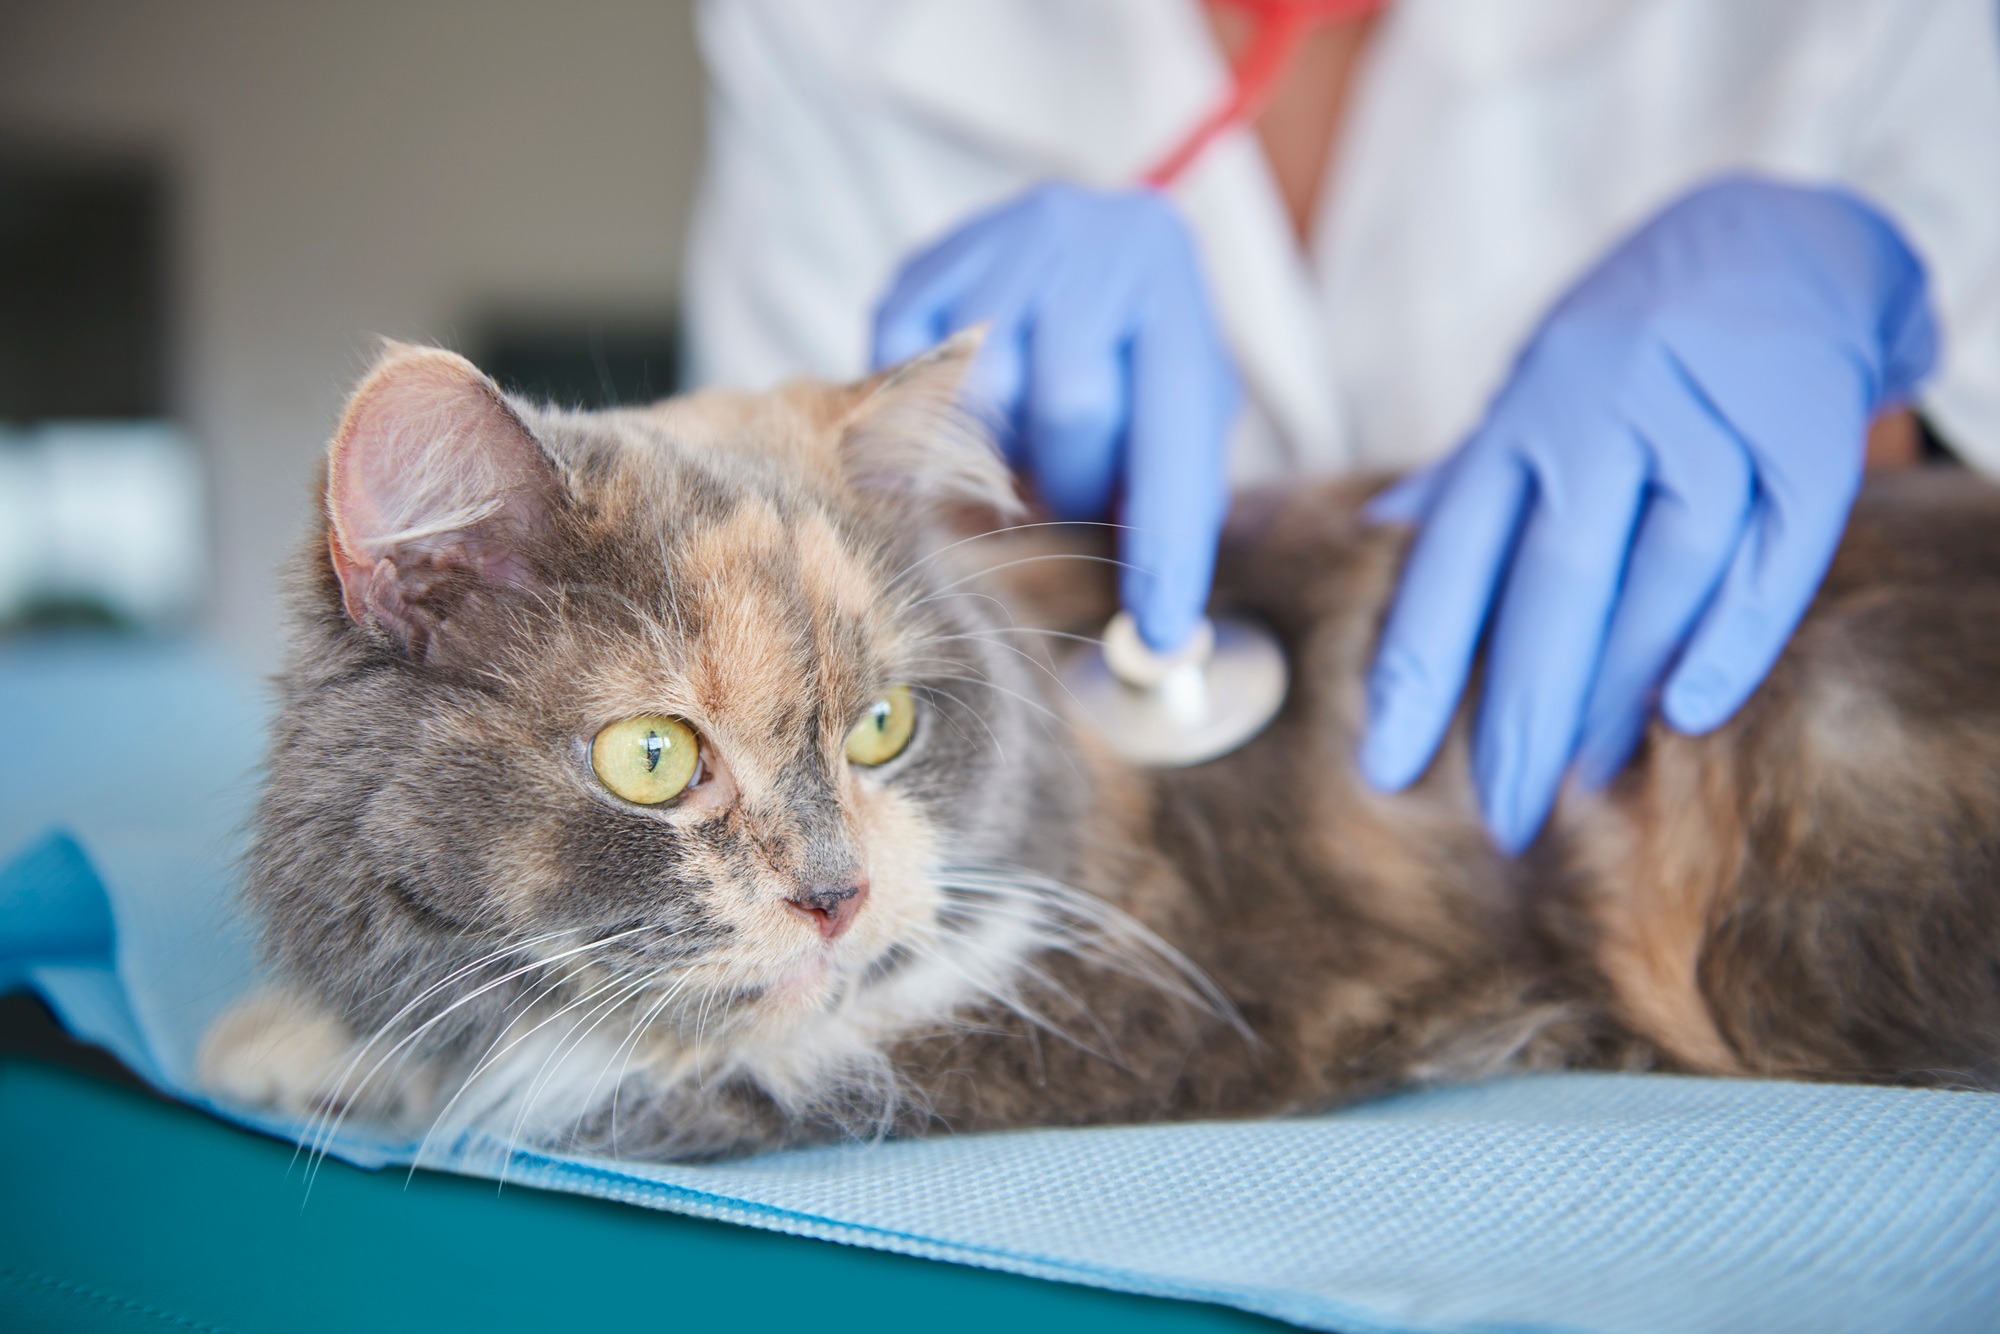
(368, 167)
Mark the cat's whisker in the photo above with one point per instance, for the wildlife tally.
(1046, 669)
(631, 1047)
(1010, 999)
(985, 682)
(938, 640)
(513, 1136)
(588, 1101)
(387, 1027)
(1026, 914)
(566, 1046)
(1070, 635)
(512, 947)
(971, 712)
(969, 594)
(1053, 725)
(1030, 560)
(708, 994)
(493, 1058)
(324, 1123)
(937, 625)
(347, 1100)
(505, 949)
(464, 931)
(990, 533)
(1037, 663)
(1128, 944)
(495, 1053)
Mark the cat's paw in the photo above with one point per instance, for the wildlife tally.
(278, 1051)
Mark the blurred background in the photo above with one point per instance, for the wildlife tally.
(211, 209)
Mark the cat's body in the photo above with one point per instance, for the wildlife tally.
(1043, 935)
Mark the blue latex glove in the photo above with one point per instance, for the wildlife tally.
(1105, 365)
(1654, 495)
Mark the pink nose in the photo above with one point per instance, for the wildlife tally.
(831, 908)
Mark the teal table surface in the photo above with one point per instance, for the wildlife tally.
(123, 1212)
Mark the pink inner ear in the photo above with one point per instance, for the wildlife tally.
(430, 466)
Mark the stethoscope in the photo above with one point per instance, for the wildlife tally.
(1226, 684)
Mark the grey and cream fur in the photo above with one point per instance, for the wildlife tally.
(468, 928)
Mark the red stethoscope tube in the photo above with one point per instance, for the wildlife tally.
(1280, 26)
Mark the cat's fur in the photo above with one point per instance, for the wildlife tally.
(469, 929)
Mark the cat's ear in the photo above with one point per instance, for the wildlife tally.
(436, 492)
(910, 432)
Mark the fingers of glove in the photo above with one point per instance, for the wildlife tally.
(987, 270)
(1011, 297)
(1184, 402)
(1440, 606)
(1696, 508)
(1883, 292)
(912, 315)
(966, 279)
(1677, 561)
(1910, 336)
(1762, 599)
(1548, 632)
(1076, 403)
(1408, 498)
(1805, 443)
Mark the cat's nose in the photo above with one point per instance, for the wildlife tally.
(832, 908)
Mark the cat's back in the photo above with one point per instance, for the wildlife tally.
(1904, 633)
(1911, 606)
(1811, 889)
(1371, 937)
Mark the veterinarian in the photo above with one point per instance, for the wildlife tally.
(1540, 244)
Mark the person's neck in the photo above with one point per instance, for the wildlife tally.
(1302, 123)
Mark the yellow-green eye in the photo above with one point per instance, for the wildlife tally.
(885, 729)
(646, 760)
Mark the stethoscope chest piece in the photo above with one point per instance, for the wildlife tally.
(1174, 710)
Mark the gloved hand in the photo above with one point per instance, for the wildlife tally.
(1654, 495)
(1105, 365)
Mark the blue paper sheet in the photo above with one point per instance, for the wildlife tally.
(1599, 1202)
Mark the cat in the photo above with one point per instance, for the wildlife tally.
(689, 781)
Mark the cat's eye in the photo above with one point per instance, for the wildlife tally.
(884, 729)
(646, 760)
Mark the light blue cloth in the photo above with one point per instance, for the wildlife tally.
(1581, 1202)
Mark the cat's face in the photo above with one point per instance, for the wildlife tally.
(689, 703)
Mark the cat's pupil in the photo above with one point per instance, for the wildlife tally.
(881, 715)
(654, 749)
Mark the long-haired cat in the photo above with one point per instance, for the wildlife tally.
(688, 781)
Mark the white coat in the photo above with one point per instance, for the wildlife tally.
(1493, 149)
